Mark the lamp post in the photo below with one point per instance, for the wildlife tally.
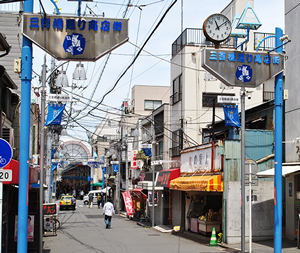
(42, 139)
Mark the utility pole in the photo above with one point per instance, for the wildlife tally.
(153, 171)
(42, 149)
(118, 173)
(26, 77)
(243, 125)
(126, 162)
(48, 154)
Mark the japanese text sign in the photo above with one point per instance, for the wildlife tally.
(49, 209)
(242, 69)
(133, 160)
(73, 37)
(163, 178)
(128, 202)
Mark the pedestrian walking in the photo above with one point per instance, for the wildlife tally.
(73, 203)
(99, 200)
(108, 211)
(91, 200)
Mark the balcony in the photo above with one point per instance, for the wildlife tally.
(195, 37)
(175, 151)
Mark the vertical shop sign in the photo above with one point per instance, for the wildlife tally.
(128, 202)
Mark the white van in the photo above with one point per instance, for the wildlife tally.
(95, 193)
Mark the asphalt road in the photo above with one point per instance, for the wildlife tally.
(84, 231)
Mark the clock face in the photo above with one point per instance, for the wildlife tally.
(217, 28)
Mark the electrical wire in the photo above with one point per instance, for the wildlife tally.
(135, 58)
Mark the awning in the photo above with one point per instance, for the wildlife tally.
(286, 171)
(96, 184)
(198, 183)
(105, 190)
(139, 191)
(165, 176)
(14, 166)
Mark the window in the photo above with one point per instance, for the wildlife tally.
(177, 143)
(208, 99)
(177, 90)
(152, 104)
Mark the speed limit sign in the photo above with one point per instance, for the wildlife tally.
(5, 175)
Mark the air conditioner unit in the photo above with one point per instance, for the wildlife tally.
(8, 135)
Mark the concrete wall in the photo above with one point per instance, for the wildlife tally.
(194, 84)
(292, 66)
(262, 212)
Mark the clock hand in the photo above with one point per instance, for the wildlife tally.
(218, 27)
(223, 24)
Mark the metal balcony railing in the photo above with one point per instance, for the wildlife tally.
(195, 37)
(267, 44)
(175, 151)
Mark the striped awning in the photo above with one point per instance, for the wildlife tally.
(198, 183)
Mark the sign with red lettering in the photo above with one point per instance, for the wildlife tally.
(128, 202)
(163, 178)
(133, 160)
(49, 209)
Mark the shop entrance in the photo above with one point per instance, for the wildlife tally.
(204, 211)
(166, 208)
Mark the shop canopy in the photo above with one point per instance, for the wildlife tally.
(286, 171)
(14, 166)
(198, 183)
(165, 176)
(96, 184)
(139, 191)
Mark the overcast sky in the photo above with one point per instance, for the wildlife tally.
(149, 69)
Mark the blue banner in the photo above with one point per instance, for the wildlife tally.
(147, 151)
(55, 112)
(116, 167)
(54, 166)
(231, 114)
(104, 170)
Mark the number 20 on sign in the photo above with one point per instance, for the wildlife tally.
(5, 175)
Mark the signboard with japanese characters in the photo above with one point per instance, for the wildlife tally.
(128, 203)
(200, 160)
(133, 160)
(242, 69)
(75, 38)
(49, 209)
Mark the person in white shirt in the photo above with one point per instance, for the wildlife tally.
(108, 212)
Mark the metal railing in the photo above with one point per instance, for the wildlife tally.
(195, 37)
(175, 151)
(267, 44)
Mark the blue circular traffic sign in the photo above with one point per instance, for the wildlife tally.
(5, 153)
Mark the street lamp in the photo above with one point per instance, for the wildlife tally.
(62, 80)
(79, 73)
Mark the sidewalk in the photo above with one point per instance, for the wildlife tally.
(266, 246)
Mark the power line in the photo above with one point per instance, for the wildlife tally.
(135, 58)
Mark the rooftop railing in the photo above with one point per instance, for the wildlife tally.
(196, 37)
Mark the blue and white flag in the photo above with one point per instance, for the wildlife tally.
(147, 151)
(104, 170)
(55, 113)
(116, 167)
(231, 114)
